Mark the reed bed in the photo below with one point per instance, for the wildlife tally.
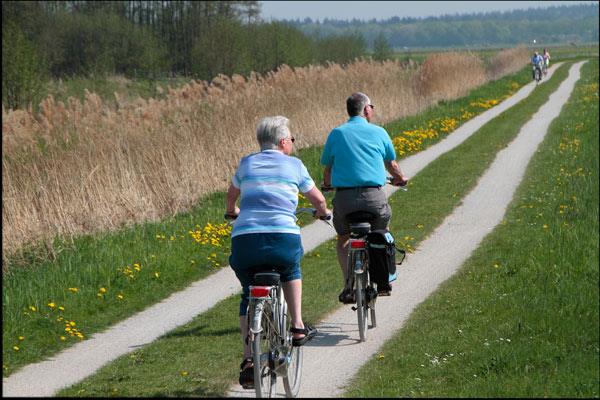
(507, 61)
(83, 167)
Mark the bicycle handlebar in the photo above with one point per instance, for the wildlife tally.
(302, 210)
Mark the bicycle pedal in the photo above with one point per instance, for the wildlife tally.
(354, 308)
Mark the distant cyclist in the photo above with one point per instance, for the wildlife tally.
(537, 60)
(546, 57)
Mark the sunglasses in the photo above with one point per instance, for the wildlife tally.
(371, 105)
(293, 139)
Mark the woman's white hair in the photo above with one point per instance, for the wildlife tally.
(271, 130)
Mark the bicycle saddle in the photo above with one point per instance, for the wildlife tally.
(360, 216)
(266, 276)
(360, 222)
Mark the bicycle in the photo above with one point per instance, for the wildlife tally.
(273, 354)
(365, 291)
(537, 73)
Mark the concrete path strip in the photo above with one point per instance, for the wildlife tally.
(332, 359)
(74, 364)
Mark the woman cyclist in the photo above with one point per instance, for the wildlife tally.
(265, 231)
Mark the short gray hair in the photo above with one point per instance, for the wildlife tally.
(356, 103)
(271, 130)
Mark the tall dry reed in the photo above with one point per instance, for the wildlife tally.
(450, 75)
(507, 61)
(100, 167)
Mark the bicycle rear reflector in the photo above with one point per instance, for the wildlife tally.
(260, 291)
(358, 244)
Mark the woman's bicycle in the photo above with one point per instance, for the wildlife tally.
(273, 353)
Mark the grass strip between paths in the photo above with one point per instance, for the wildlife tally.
(520, 319)
(98, 280)
(201, 357)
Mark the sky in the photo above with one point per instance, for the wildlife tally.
(366, 10)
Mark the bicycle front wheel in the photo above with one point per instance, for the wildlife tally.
(291, 381)
(265, 378)
(361, 305)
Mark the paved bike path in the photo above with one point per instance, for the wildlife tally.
(74, 364)
(335, 355)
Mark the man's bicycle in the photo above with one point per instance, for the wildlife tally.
(537, 72)
(365, 290)
(273, 353)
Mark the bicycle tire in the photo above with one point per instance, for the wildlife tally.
(361, 306)
(293, 360)
(265, 379)
(291, 381)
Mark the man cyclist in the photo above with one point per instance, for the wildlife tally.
(265, 232)
(537, 61)
(356, 156)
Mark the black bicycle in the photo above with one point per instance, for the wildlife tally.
(365, 290)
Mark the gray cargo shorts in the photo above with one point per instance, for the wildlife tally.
(360, 199)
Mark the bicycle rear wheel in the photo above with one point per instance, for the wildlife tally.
(265, 379)
(361, 305)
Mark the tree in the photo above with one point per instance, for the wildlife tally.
(23, 71)
(381, 48)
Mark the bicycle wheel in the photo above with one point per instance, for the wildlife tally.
(265, 378)
(293, 357)
(361, 305)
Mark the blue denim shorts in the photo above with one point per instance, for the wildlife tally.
(282, 251)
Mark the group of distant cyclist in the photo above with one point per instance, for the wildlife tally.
(540, 64)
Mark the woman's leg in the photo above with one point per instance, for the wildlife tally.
(292, 290)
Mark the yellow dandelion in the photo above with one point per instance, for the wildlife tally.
(61, 308)
(51, 305)
(21, 338)
(73, 289)
(72, 323)
(16, 348)
(102, 290)
(63, 338)
(545, 226)
(183, 373)
(156, 274)
(380, 356)
(120, 296)
(32, 308)
(496, 266)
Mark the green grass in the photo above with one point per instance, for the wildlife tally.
(173, 365)
(94, 262)
(520, 319)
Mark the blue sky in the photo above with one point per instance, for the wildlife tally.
(386, 9)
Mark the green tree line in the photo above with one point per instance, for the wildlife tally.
(576, 23)
(151, 39)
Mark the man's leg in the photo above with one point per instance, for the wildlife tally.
(342, 254)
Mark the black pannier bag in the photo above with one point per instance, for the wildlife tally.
(382, 257)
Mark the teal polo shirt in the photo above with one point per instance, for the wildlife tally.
(356, 152)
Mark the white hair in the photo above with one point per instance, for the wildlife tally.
(271, 130)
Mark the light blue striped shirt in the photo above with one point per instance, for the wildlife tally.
(269, 182)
